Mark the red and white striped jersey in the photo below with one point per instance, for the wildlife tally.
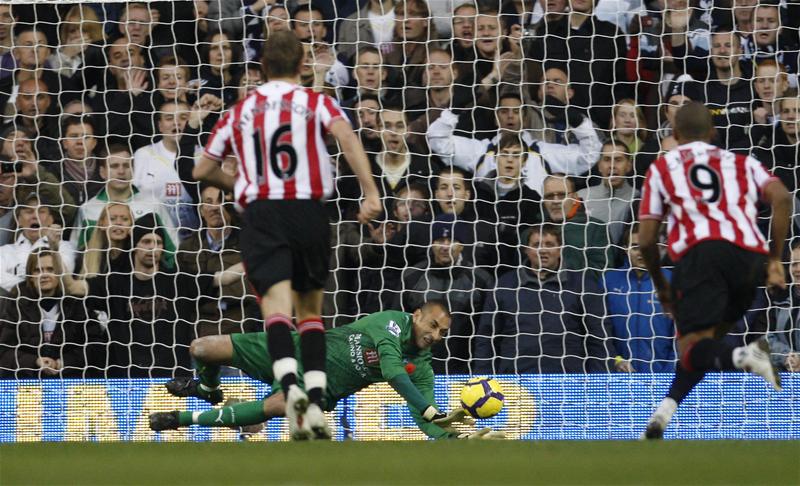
(711, 194)
(276, 134)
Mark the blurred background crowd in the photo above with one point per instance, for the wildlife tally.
(509, 141)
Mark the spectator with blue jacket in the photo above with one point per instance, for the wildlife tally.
(642, 334)
(543, 319)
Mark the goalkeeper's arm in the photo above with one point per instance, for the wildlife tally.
(422, 409)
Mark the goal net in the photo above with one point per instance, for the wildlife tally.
(509, 142)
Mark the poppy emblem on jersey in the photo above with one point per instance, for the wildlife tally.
(393, 329)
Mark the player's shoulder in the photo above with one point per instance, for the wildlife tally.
(390, 321)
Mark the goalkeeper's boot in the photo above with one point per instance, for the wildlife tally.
(164, 421)
(187, 387)
(755, 358)
(316, 423)
(659, 420)
(296, 407)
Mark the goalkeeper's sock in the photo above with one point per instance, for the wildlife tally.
(208, 375)
(247, 413)
(281, 349)
(708, 354)
(312, 351)
(683, 383)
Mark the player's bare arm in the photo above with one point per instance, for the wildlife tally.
(357, 158)
(209, 171)
(776, 194)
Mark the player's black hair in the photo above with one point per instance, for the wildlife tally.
(693, 122)
(436, 303)
(308, 7)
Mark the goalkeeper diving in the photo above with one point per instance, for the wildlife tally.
(388, 346)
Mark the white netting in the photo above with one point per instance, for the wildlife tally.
(98, 99)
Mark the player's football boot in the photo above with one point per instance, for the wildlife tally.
(187, 387)
(164, 421)
(659, 420)
(756, 359)
(296, 407)
(316, 423)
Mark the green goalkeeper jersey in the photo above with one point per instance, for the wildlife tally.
(374, 349)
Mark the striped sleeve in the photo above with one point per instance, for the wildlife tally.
(652, 206)
(329, 111)
(219, 142)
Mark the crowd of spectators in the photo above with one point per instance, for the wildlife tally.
(508, 139)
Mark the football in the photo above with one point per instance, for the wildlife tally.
(482, 397)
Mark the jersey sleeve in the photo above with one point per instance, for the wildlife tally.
(652, 206)
(329, 111)
(219, 142)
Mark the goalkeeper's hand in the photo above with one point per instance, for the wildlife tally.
(485, 433)
(458, 416)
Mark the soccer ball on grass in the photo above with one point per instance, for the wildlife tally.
(482, 397)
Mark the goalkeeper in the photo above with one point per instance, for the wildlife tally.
(386, 346)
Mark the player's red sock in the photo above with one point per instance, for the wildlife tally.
(312, 351)
(708, 354)
(281, 349)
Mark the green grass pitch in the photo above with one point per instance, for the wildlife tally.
(450, 462)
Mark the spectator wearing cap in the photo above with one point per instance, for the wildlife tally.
(31, 175)
(505, 202)
(643, 334)
(212, 249)
(449, 276)
(372, 25)
(593, 51)
(149, 310)
(44, 333)
(116, 170)
(478, 156)
(585, 238)
(38, 226)
(612, 200)
(729, 93)
(542, 318)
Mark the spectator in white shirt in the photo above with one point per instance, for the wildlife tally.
(38, 226)
(155, 170)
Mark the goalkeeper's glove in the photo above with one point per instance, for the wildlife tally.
(485, 433)
(458, 416)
